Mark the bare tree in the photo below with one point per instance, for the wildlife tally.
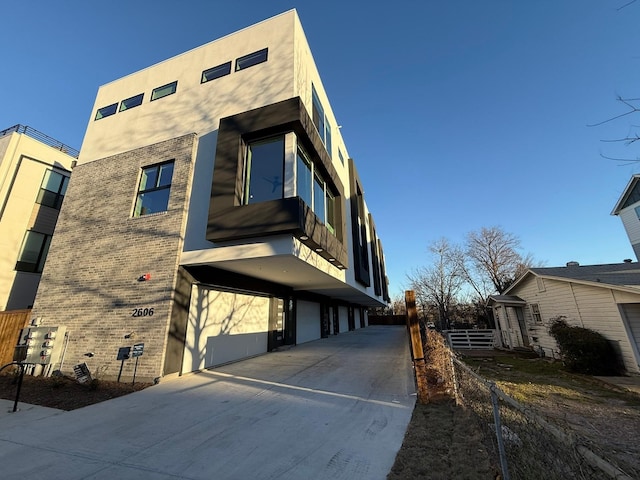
(494, 257)
(440, 282)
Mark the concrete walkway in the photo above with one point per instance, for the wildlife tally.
(336, 408)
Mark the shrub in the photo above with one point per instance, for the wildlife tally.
(583, 350)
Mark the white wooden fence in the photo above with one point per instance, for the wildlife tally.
(471, 339)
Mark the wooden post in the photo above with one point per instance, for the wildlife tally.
(419, 365)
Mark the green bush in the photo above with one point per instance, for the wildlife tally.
(583, 350)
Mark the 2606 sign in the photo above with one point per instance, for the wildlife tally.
(142, 312)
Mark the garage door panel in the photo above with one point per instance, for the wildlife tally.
(223, 327)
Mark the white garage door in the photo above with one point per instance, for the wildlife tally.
(223, 327)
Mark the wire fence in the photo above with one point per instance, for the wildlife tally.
(527, 445)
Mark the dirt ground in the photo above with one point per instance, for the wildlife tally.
(63, 392)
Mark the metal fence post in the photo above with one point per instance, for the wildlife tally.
(496, 420)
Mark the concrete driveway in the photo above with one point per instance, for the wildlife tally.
(335, 408)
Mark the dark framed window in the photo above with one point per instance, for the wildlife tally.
(320, 120)
(314, 191)
(216, 72)
(154, 189)
(106, 111)
(340, 156)
(33, 253)
(131, 102)
(252, 59)
(163, 91)
(264, 170)
(53, 189)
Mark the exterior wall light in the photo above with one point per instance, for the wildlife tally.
(145, 277)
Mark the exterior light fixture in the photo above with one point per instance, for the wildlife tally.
(145, 277)
(304, 237)
(332, 259)
(318, 250)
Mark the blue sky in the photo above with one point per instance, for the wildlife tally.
(460, 113)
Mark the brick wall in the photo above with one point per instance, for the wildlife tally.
(90, 282)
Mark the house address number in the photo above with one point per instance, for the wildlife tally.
(142, 312)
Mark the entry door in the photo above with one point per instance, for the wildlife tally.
(276, 323)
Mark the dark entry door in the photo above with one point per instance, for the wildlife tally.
(276, 323)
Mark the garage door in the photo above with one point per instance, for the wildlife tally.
(223, 327)
(632, 314)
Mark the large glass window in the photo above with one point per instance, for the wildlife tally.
(303, 179)
(53, 189)
(251, 59)
(164, 90)
(319, 197)
(314, 191)
(320, 120)
(33, 253)
(154, 189)
(264, 170)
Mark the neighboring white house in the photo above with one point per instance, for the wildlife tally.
(604, 298)
(34, 172)
(628, 209)
(215, 213)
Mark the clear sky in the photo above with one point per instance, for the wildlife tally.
(459, 113)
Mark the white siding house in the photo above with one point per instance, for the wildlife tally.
(603, 298)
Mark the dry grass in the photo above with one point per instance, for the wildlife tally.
(443, 440)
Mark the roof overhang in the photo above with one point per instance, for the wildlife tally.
(282, 260)
(625, 194)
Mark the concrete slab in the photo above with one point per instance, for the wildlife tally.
(336, 408)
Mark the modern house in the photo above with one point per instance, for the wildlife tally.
(34, 173)
(214, 214)
(628, 209)
(604, 298)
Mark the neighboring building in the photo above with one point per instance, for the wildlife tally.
(604, 298)
(34, 172)
(628, 209)
(214, 214)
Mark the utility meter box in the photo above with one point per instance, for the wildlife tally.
(40, 345)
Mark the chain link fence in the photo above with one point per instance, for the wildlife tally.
(527, 445)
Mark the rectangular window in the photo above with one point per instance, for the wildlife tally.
(331, 212)
(33, 253)
(131, 102)
(320, 120)
(340, 157)
(319, 198)
(53, 189)
(264, 170)
(303, 179)
(637, 209)
(216, 72)
(251, 59)
(164, 90)
(535, 312)
(154, 189)
(106, 111)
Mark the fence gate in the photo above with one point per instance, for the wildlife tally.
(471, 339)
(11, 322)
